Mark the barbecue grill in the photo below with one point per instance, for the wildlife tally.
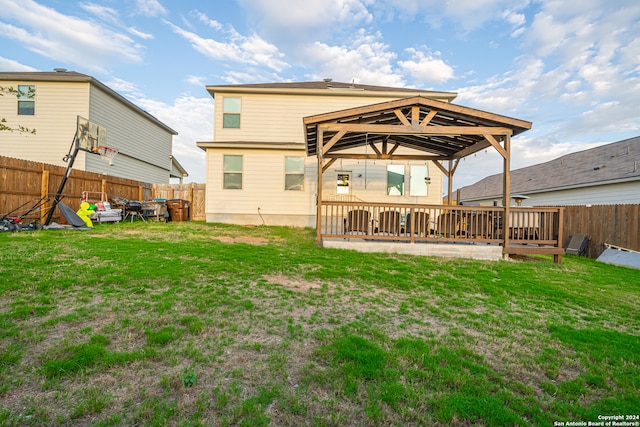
(133, 209)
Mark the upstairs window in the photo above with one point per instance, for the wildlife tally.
(231, 113)
(294, 173)
(232, 171)
(26, 100)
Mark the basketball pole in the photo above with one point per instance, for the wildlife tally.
(56, 199)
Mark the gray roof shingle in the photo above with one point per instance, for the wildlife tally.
(610, 162)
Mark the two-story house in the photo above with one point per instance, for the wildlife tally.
(51, 102)
(258, 171)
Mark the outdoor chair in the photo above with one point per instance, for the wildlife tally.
(478, 224)
(389, 222)
(448, 224)
(357, 220)
(417, 223)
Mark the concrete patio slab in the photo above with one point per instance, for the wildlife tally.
(447, 250)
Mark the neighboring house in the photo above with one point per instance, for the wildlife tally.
(257, 167)
(608, 174)
(50, 103)
(177, 171)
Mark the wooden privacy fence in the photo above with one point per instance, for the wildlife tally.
(23, 182)
(194, 193)
(613, 224)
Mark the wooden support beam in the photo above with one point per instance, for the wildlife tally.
(496, 145)
(393, 150)
(478, 146)
(333, 140)
(415, 116)
(319, 154)
(401, 117)
(450, 183)
(506, 195)
(414, 130)
(442, 168)
(329, 163)
(455, 166)
(430, 115)
(374, 148)
(418, 157)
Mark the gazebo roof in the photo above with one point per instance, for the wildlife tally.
(430, 129)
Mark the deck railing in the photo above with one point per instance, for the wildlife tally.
(442, 223)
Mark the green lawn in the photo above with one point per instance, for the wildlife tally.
(210, 324)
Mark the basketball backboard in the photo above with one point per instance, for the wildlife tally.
(90, 136)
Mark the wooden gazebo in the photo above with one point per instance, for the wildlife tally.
(424, 129)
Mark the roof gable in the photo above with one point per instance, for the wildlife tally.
(438, 130)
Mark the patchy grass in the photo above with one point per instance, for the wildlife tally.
(211, 324)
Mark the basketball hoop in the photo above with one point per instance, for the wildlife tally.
(107, 154)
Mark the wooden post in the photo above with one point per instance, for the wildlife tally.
(506, 195)
(44, 190)
(319, 155)
(450, 183)
(557, 258)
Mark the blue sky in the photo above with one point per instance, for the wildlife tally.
(572, 67)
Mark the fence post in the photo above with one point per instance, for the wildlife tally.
(44, 189)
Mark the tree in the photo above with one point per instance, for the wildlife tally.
(3, 122)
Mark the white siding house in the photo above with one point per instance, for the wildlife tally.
(144, 143)
(608, 174)
(257, 168)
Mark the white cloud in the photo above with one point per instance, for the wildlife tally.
(65, 38)
(138, 33)
(580, 75)
(208, 21)
(301, 21)
(112, 17)
(236, 48)
(124, 87)
(196, 80)
(11, 65)
(150, 8)
(365, 59)
(105, 13)
(426, 67)
(467, 14)
(250, 75)
(191, 117)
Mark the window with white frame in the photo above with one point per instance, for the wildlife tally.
(419, 180)
(232, 172)
(294, 173)
(231, 113)
(395, 180)
(26, 100)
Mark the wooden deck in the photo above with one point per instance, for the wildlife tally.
(526, 230)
